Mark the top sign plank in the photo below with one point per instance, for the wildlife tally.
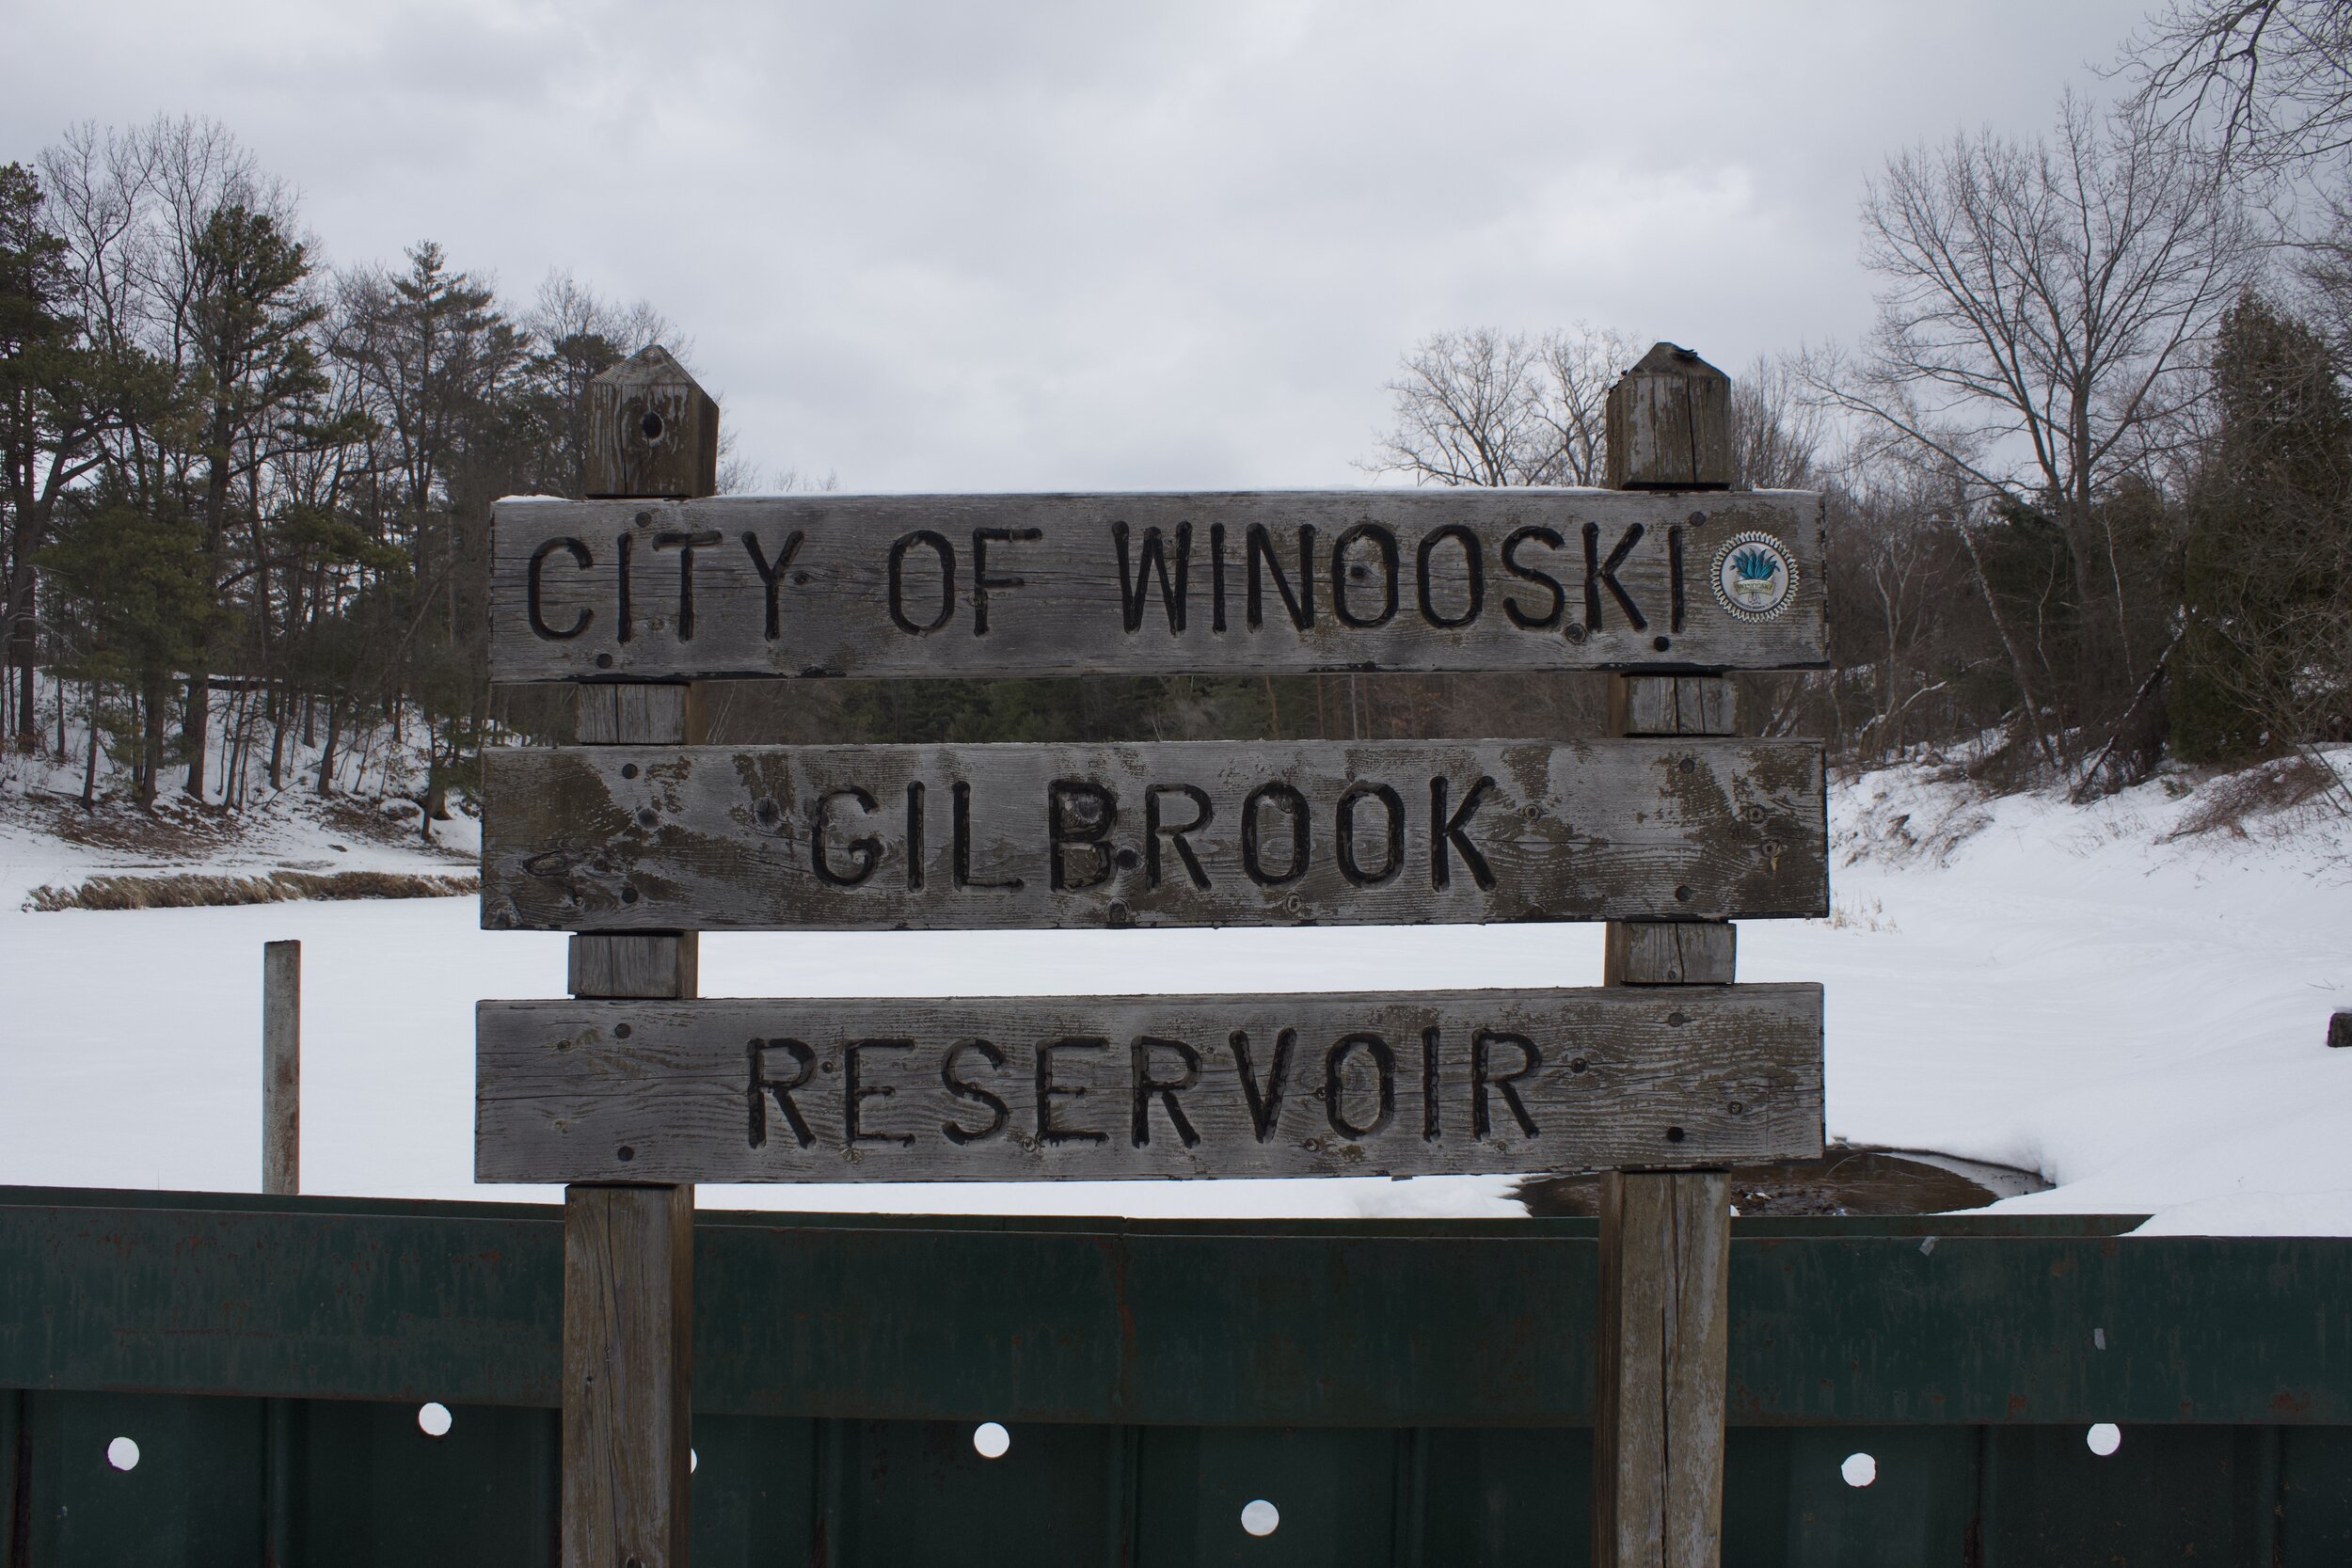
(1266, 581)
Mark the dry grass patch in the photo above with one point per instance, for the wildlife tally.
(2266, 790)
(194, 890)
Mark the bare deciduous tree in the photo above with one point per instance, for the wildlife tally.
(2044, 302)
(1578, 367)
(1479, 406)
(1466, 411)
(1777, 429)
(2269, 81)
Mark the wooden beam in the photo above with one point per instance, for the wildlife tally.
(1669, 424)
(1670, 706)
(281, 1068)
(1259, 583)
(1159, 834)
(666, 965)
(1662, 1333)
(1665, 1245)
(636, 713)
(1113, 1087)
(653, 430)
(1667, 952)
(629, 1251)
(629, 1313)
(1662, 1341)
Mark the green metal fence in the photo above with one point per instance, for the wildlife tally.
(1407, 1393)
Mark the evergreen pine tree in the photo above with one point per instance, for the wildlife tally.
(2263, 661)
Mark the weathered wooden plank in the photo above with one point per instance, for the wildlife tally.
(636, 713)
(653, 430)
(663, 965)
(1662, 1341)
(1181, 833)
(629, 1315)
(1666, 953)
(1669, 424)
(629, 1251)
(1669, 705)
(281, 1068)
(1155, 583)
(1659, 1386)
(976, 1088)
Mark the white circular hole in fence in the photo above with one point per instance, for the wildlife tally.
(693, 1461)
(990, 1440)
(1859, 1470)
(2104, 1438)
(1260, 1517)
(433, 1418)
(122, 1454)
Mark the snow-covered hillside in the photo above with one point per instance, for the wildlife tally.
(50, 840)
(2137, 1011)
(2137, 1014)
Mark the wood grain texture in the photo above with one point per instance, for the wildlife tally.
(663, 965)
(281, 1068)
(637, 713)
(1672, 704)
(653, 430)
(1669, 953)
(1061, 836)
(629, 1251)
(1034, 584)
(1668, 424)
(897, 1089)
(1662, 1342)
(629, 1313)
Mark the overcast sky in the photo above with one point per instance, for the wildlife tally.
(965, 246)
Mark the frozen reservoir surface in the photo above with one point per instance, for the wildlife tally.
(2140, 1017)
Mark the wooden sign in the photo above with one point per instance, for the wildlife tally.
(1183, 833)
(1155, 584)
(1029, 1088)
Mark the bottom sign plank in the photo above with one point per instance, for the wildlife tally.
(1097, 1088)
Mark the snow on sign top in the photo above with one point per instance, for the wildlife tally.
(1255, 582)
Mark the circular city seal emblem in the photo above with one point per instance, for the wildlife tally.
(1756, 577)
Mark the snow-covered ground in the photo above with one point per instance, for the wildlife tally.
(2140, 1018)
(370, 823)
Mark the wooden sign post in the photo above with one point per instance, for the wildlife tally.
(1663, 1327)
(640, 835)
(628, 1250)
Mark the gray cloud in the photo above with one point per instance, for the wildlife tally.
(951, 245)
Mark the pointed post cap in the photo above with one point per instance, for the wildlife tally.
(652, 431)
(1669, 424)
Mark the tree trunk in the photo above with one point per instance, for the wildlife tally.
(196, 732)
(153, 736)
(90, 756)
(2009, 645)
(20, 634)
(327, 757)
(281, 717)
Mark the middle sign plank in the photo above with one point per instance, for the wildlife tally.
(1106, 1087)
(1163, 834)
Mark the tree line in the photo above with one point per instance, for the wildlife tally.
(245, 493)
(2089, 474)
